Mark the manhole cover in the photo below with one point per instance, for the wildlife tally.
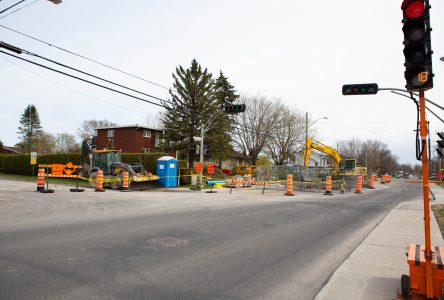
(168, 241)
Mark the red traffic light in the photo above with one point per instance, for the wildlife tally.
(413, 8)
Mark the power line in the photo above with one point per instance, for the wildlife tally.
(8, 8)
(18, 9)
(82, 79)
(84, 57)
(89, 74)
(71, 89)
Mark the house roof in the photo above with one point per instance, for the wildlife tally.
(12, 149)
(237, 154)
(128, 126)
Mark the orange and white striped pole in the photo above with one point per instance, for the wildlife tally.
(99, 182)
(372, 182)
(289, 187)
(359, 185)
(328, 186)
(125, 182)
(40, 180)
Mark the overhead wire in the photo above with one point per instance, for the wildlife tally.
(91, 75)
(18, 9)
(82, 79)
(14, 5)
(84, 57)
(71, 89)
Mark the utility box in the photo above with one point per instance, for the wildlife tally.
(167, 167)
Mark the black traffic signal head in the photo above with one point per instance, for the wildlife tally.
(417, 45)
(234, 108)
(440, 147)
(359, 89)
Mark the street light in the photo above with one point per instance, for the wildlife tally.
(307, 126)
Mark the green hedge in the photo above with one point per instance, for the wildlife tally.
(20, 163)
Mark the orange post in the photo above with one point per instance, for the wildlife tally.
(125, 182)
(372, 182)
(359, 185)
(289, 188)
(40, 180)
(425, 184)
(328, 186)
(99, 183)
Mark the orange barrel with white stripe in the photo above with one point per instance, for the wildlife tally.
(40, 180)
(359, 185)
(99, 182)
(125, 182)
(372, 182)
(289, 187)
(328, 186)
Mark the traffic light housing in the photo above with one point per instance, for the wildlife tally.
(417, 45)
(359, 89)
(234, 108)
(440, 147)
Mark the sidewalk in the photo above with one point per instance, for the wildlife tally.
(374, 269)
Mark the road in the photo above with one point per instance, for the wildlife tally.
(160, 245)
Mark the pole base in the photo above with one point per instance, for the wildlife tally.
(47, 191)
(289, 194)
(76, 190)
(328, 193)
(99, 190)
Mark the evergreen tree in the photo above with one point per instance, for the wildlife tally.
(192, 102)
(218, 137)
(29, 128)
(1, 146)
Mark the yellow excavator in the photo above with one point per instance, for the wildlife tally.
(342, 167)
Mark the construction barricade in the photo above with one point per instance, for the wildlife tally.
(289, 186)
(40, 180)
(359, 185)
(328, 186)
(372, 182)
(99, 182)
(125, 182)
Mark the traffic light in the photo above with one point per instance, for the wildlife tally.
(234, 108)
(360, 89)
(440, 147)
(417, 45)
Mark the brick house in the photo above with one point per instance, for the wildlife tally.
(129, 139)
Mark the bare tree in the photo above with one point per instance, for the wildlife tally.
(287, 136)
(253, 127)
(86, 129)
(66, 143)
(153, 120)
(351, 148)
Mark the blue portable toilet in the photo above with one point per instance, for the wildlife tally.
(167, 171)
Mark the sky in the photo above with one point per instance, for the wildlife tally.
(299, 51)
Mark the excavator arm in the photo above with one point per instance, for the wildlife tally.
(322, 148)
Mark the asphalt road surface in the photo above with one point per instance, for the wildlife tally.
(160, 245)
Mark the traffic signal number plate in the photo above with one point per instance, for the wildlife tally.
(423, 77)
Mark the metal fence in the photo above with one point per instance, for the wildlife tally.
(308, 179)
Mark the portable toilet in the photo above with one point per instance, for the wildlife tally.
(167, 171)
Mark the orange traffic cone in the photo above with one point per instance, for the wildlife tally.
(289, 189)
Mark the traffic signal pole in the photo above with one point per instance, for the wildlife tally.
(428, 255)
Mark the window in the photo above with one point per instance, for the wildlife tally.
(110, 133)
(157, 142)
(146, 150)
(146, 133)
